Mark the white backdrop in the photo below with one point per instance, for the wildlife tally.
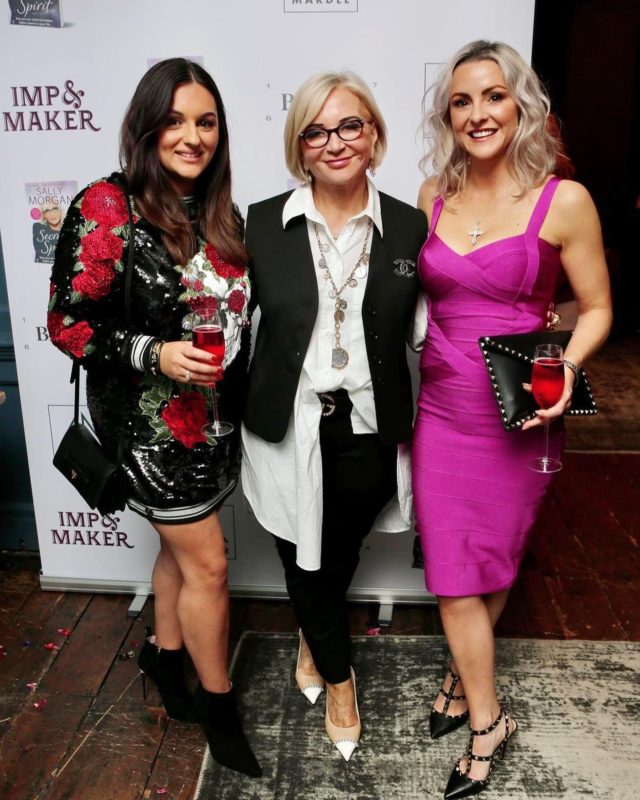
(63, 92)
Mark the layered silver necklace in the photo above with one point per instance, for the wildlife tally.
(339, 356)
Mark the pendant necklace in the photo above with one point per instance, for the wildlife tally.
(475, 233)
(339, 356)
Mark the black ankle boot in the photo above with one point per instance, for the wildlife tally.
(166, 670)
(219, 718)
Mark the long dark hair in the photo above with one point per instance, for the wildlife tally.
(156, 199)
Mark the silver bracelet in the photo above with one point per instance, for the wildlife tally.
(574, 368)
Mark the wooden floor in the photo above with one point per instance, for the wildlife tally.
(82, 732)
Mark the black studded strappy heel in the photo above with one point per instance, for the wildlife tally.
(460, 784)
(441, 723)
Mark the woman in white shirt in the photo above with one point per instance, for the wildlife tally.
(329, 405)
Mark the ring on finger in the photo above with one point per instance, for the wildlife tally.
(555, 319)
(187, 376)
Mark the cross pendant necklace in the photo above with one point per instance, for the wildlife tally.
(475, 233)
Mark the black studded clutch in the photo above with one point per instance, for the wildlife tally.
(509, 359)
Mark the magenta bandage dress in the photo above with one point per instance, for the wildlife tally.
(475, 497)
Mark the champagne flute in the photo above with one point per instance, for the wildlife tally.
(208, 334)
(547, 384)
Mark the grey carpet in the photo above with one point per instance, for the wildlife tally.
(577, 704)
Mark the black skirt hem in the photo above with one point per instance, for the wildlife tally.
(182, 515)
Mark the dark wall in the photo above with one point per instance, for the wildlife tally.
(587, 53)
(17, 522)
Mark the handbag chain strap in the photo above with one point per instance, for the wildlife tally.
(75, 369)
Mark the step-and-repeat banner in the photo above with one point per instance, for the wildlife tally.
(69, 68)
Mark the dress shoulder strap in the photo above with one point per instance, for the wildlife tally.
(437, 208)
(542, 206)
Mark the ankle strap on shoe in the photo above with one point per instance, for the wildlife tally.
(493, 725)
(449, 694)
(450, 697)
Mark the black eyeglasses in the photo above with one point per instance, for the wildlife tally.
(348, 131)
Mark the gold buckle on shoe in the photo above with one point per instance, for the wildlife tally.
(328, 403)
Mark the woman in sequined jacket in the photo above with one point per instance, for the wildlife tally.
(147, 380)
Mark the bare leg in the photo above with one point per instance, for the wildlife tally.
(469, 632)
(495, 604)
(202, 606)
(196, 604)
(469, 629)
(307, 664)
(166, 582)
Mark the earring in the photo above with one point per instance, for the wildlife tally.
(372, 168)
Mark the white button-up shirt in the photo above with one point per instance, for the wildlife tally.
(283, 481)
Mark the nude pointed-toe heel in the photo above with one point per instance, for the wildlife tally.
(345, 739)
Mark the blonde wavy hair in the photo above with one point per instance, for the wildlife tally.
(533, 152)
(306, 105)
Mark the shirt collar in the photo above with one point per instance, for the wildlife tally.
(300, 203)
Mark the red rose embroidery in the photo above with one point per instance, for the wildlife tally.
(93, 282)
(72, 339)
(52, 289)
(226, 270)
(55, 323)
(99, 252)
(205, 303)
(236, 301)
(101, 245)
(184, 416)
(220, 267)
(211, 253)
(105, 204)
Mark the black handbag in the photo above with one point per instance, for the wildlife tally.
(100, 480)
(83, 461)
(508, 360)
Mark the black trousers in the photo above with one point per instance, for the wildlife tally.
(359, 478)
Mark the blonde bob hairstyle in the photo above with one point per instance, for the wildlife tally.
(306, 105)
(533, 152)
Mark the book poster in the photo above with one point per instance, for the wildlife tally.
(38, 13)
(47, 204)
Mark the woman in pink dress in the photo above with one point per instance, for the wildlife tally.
(501, 227)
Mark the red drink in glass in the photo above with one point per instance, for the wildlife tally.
(547, 381)
(208, 335)
(547, 385)
(211, 339)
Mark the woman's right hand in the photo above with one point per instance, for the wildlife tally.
(184, 363)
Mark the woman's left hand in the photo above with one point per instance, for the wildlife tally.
(184, 363)
(546, 415)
